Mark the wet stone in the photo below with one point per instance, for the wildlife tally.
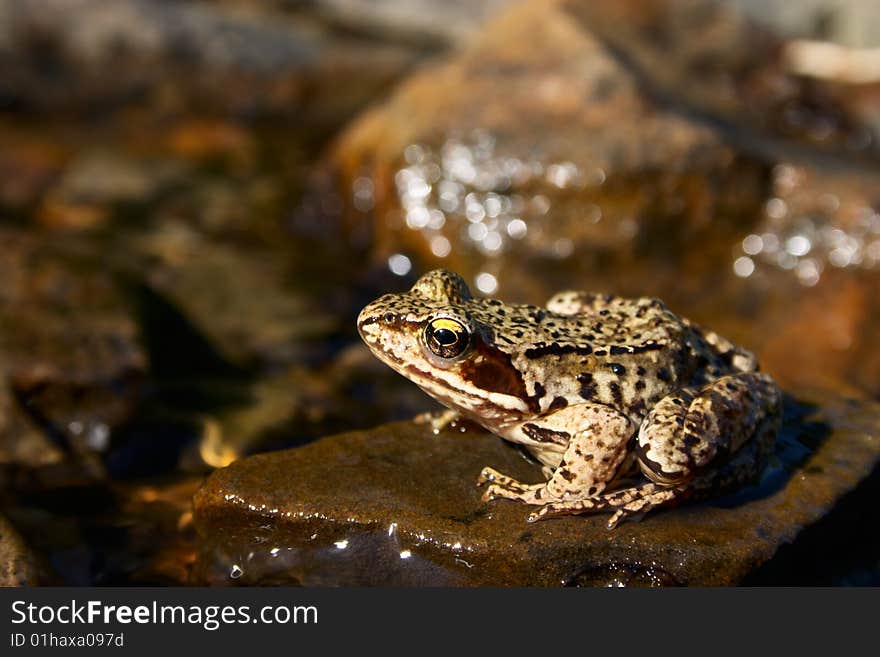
(397, 505)
(606, 176)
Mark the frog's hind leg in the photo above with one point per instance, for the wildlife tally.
(688, 433)
(638, 500)
(693, 443)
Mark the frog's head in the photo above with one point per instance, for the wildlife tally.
(437, 336)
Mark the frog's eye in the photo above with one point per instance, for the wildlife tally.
(446, 337)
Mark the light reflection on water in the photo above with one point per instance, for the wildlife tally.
(465, 194)
(806, 232)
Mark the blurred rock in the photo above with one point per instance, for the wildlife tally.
(419, 21)
(301, 404)
(241, 300)
(21, 440)
(69, 346)
(634, 149)
(397, 505)
(19, 566)
(707, 58)
(550, 155)
(800, 290)
(66, 56)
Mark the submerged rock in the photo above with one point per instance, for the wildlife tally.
(397, 505)
(70, 352)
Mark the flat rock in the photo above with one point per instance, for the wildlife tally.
(181, 55)
(397, 505)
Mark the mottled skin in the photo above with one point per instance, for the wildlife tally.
(591, 385)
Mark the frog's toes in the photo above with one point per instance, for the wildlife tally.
(496, 491)
(438, 420)
(489, 475)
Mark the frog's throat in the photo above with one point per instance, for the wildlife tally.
(451, 390)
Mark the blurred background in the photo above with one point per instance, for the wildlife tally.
(197, 197)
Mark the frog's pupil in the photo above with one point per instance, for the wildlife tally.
(445, 336)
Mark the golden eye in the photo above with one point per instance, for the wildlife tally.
(446, 337)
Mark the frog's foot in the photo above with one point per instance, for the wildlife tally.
(438, 420)
(500, 485)
(628, 502)
(597, 439)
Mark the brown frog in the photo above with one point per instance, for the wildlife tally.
(598, 388)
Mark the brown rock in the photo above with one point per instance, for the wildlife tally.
(537, 149)
(399, 506)
(713, 59)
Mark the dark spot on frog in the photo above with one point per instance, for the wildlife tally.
(616, 351)
(640, 371)
(539, 390)
(557, 403)
(567, 474)
(588, 387)
(617, 368)
(664, 375)
(600, 352)
(616, 393)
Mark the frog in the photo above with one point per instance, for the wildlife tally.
(626, 405)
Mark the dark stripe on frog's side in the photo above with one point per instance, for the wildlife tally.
(544, 435)
(556, 349)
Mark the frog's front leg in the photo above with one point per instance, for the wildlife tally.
(595, 439)
(438, 420)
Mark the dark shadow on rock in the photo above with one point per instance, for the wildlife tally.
(800, 435)
(842, 549)
(175, 347)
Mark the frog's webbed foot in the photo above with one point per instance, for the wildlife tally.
(438, 420)
(628, 502)
(502, 486)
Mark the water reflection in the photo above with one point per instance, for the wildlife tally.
(806, 231)
(466, 192)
